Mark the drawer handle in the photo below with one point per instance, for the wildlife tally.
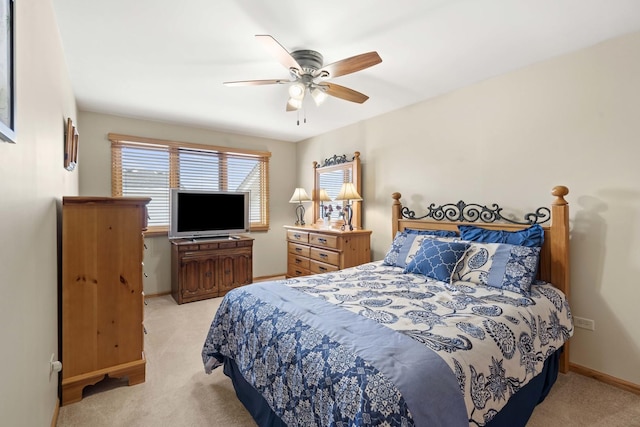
(324, 256)
(321, 268)
(298, 273)
(298, 250)
(298, 261)
(297, 236)
(323, 241)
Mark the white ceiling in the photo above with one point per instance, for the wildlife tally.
(166, 60)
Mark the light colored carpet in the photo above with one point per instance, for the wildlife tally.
(178, 393)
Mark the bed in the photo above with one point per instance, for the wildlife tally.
(465, 321)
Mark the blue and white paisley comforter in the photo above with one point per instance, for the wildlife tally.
(370, 346)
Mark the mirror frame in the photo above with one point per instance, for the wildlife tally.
(333, 164)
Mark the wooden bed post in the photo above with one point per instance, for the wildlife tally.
(395, 213)
(559, 244)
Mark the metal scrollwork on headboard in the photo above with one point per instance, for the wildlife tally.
(334, 160)
(472, 212)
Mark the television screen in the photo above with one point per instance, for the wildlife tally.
(199, 214)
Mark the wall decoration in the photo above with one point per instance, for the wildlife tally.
(70, 146)
(7, 74)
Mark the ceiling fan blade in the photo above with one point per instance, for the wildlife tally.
(277, 50)
(257, 82)
(350, 65)
(344, 93)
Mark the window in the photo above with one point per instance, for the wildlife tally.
(145, 167)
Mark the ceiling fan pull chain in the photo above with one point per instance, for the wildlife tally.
(298, 121)
(305, 115)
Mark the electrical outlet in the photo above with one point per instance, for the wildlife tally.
(581, 322)
(51, 360)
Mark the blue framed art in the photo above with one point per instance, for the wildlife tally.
(7, 73)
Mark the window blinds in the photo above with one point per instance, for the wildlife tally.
(150, 168)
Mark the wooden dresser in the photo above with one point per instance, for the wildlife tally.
(313, 250)
(208, 268)
(102, 296)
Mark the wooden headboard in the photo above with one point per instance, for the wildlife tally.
(554, 255)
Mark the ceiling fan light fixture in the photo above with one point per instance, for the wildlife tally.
(296, 90)
(306, 68)
(318, 95)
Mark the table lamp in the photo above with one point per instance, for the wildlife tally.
(349, 193)
(299, 196)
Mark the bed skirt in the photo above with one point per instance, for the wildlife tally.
(515, 414)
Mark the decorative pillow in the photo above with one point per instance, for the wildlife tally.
(436, 259)
(437, 233)
(499, 265)
(404, 247)
(531, 237)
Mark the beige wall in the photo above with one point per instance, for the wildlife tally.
(95, 180)
(573, 120)
(32, 178)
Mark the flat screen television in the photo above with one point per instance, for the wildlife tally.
(201, 214)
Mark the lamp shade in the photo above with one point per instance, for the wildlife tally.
(295, 103)
(299, 196)
(323, 196)
(318, 95)
(348, 192)
(296, 90)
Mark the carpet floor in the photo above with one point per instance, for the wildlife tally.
(178, 393)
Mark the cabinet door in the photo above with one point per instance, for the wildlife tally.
(207, 276)
(235, 270)
(190, 277)
(242, 269)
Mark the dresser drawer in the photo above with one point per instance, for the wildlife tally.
(205, 246)
(298, 236)
(297, 249)
(325, 240)
(326, 256)
(317, 267)
(299, 261)
(297, 271)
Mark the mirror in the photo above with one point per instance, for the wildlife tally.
(329, 176)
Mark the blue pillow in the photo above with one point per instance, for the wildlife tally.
(531, 237)
(436, 259)
(437, 233)
(499, 265)
(404, 247)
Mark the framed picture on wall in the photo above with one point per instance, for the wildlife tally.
(70, 146)
(7, 73)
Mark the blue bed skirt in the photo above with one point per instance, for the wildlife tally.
(515, 414)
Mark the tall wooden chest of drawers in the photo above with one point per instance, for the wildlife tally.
(313, 250)
(102, 295)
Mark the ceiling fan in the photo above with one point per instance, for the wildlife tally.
(308, 74)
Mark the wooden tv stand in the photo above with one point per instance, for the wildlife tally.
(208, 268)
